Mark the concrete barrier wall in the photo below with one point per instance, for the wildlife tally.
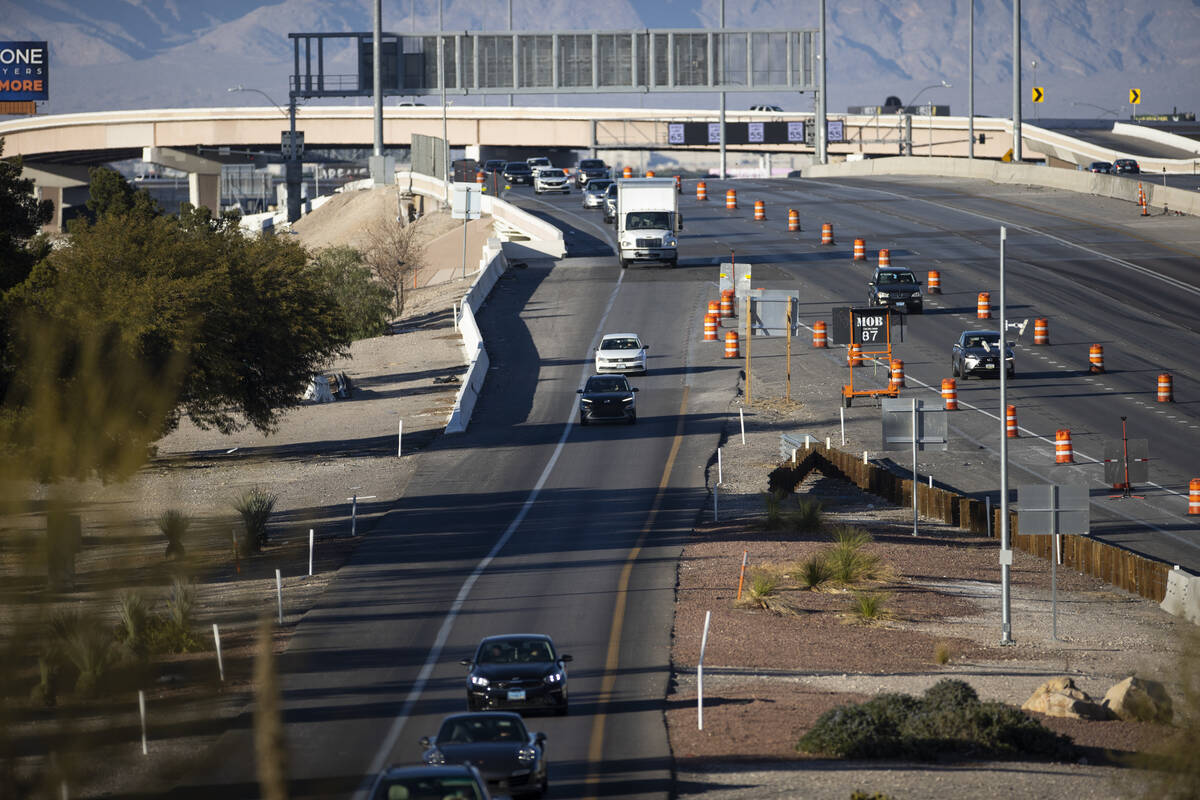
(1019, 174)
(1157, 136)
(493, 264)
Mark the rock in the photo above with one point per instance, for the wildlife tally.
(1139, 700)
(1059, 697)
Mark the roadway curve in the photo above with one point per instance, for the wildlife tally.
(530, 522)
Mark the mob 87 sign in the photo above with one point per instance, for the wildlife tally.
(870, 326)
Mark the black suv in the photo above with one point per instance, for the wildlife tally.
(1125, 166)
(896, 287)
(518, 172)
(588, 169)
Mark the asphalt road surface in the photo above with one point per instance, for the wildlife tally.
(529, 522)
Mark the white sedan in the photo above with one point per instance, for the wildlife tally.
(621, 352)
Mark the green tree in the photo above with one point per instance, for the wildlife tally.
(21, 216)
(110, 193)
(364, 303)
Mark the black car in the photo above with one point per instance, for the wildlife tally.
(494, 165)
(511, 759)
(519, 670)
(896, 287)
(978, 353)
(460, 781)
(607, 397)
(1125, 166)
(588, 169)
(1100, 166)
(518, 172)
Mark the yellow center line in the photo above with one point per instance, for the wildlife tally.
(612, 658)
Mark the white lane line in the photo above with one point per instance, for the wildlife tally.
(383, 754)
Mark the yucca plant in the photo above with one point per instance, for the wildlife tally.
(173, 525)
(850, 537)
(133, 622)
(806, 516)
(255, 505)
(773, 504)
(89, 647)
(813, 572)
(870, 607)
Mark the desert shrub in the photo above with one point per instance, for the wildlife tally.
(807, 515)
(255, 506)
(773, 506)
(941, 653)
(88, 646)
(173, 631)
(850, 565)
(173, 525)
(850, 538)
(813, 572)
(133, 623)
(950, 693)
(45, 691)
(764, 583)
(901, 726)
(858, 794)
(869, 607)
(1172, 771)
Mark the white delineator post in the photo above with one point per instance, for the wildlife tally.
(311, 542)
(142, 713)
(742, 421)
(700, 674)
(720, 475)
(399, 438)
(220, 661)
(279, 594)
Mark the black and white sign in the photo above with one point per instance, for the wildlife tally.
(871, 328)
(795, 131)
(675, 133)
(714, 133)
(837, 130)
(755, 132)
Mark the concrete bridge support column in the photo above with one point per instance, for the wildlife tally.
(51, 182)
(204, 175)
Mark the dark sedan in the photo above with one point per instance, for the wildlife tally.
(1126, 166)
(520, 670)
(978, 353)
(1100, 166)
(607, 397)
(511, 759)
(518, 172)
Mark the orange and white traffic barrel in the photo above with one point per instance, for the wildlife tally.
(793, 220)
(710, 327)
(950, 393)
(885, 257)
(860, 250)
(760, 211)
(819, 338)
(701, 191)
(714, 307)
(826, 233)
(896, 379)
(983, 307)
(1194, 496)
(933, 282)
(730, 199)
(731, 344)
(1010, 422)
(649, 173)
(678, 185)
(1041, 331)
(1063, 454)
(727, 303)
(1165, 393)
(627, 172)
(480, 177)
(854, 355)
(1096, 359)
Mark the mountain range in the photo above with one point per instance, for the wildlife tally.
(1087, 54)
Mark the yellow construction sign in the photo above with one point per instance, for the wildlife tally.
(1135, 97)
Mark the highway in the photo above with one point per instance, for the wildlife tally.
(529, 522)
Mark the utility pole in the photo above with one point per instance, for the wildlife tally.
(1016, 60)
(822, 128)
(971, 81)
(721, 66)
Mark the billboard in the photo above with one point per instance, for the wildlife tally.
(24, 71)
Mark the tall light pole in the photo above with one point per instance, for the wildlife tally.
(377, 83)
(822, 132)
(441, 53)
(971, 81)
(293, 167)
(721, 78)
(1016, 62)
(1005, 545)
(1036, 113)
(943, 84)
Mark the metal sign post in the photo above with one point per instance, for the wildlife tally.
(910, 422)
(1006, 554)
(466, 203)
(1052, 509)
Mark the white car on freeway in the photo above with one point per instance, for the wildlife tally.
(550, 179)
(621, 352)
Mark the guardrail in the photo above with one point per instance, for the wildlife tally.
(1122, 568)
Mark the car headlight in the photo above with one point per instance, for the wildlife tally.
(626, 399)
(553, 678)
(669, 241)
(479, 680)
(435, 757)
(526, 755)
(587, 402)
(971, 361)
(882, 295)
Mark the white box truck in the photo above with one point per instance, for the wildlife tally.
(647, 220)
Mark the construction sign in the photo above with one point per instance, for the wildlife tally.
(1039, 94)
(1135, 97)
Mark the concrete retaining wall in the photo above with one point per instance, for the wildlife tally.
(492, 264)
(1020, 174)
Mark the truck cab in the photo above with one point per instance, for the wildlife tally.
(647, 221)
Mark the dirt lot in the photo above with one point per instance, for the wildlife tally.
(769, 676)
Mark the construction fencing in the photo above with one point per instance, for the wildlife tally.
(1115, 565)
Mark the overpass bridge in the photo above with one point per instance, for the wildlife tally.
(59, 149)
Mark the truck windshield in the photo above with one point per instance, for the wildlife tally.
(647, 220)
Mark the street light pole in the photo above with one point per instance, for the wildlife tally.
(1005, 545)
(721, 132)
(822, 132)
(292, 165)
(971, 81)
(1016, 61)
(942, 85)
